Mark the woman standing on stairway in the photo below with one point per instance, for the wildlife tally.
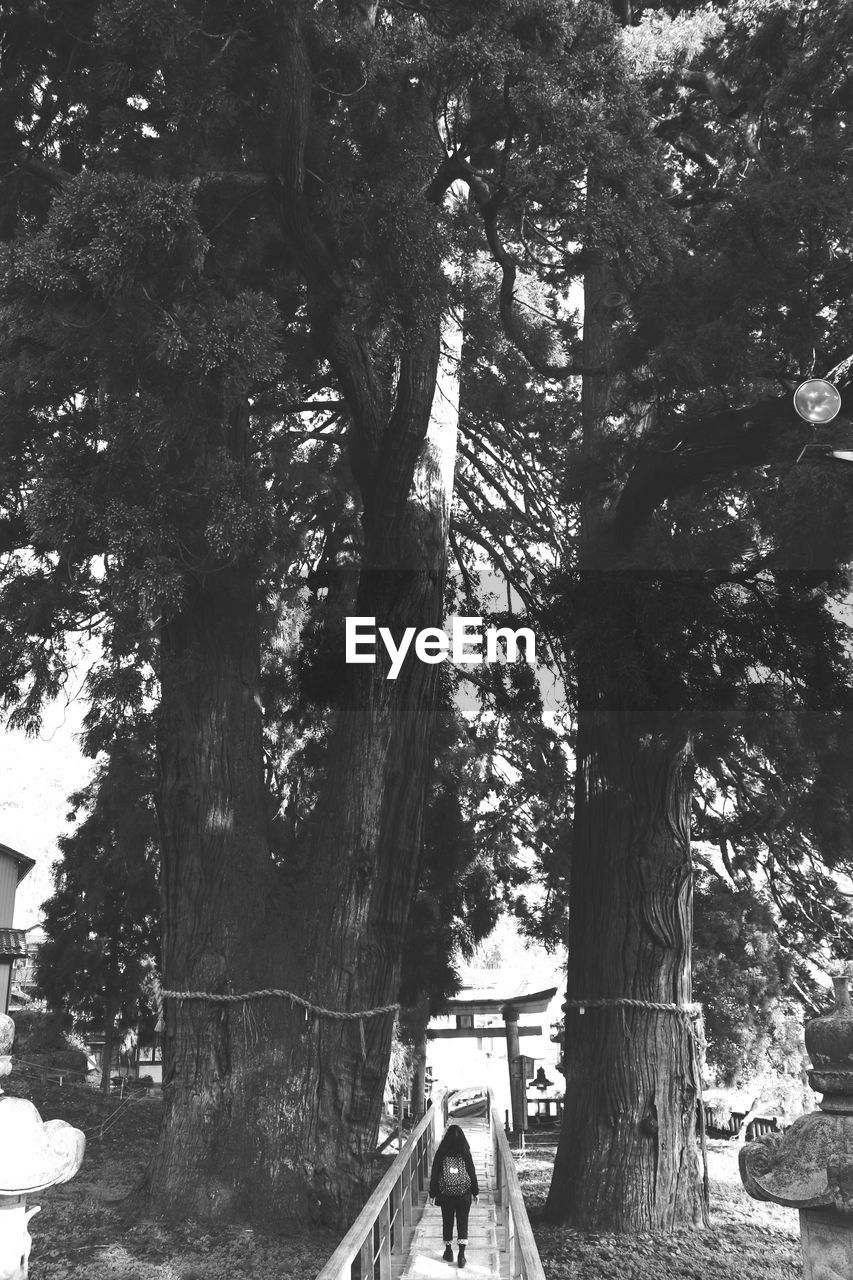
(452, 1185)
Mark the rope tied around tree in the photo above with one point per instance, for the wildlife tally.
(689, 1011)
(311, 1009)
(691, 1014)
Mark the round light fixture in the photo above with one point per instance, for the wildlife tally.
(817, 400)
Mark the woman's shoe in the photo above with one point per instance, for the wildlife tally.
(447, 1256)
(461, 1258)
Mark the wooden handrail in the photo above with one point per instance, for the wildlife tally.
(519, 1241)
(385, 1223)
(407, 1176)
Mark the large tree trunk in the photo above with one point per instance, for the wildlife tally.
(216, 882)
(270, 1114)
(367, 838)
(627, 1157)
(364, 855)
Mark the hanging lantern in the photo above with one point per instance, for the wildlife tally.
(817, 401)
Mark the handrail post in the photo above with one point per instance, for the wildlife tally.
(518, 1240)
(402, 1212)
(496, 1156)
(385, 1240)
(369, 1239)
(509, 1235)
(366, 1256)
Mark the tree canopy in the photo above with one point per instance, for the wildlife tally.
(101, 922)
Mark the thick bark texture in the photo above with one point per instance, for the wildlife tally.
(271, 1114)
(367, 839)
(364, 855)
(216, 892)
(627, 1158)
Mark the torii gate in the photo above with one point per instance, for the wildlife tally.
(510, 1010)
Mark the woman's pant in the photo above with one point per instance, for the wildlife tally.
(457, 1207)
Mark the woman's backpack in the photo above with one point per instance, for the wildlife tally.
(454, 1179)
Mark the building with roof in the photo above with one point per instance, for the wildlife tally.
(24, 969)
(14, 866)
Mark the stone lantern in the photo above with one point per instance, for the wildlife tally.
(810, 1166)
(33, 1156)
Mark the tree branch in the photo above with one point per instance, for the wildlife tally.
(406, 429)
(506, 299)
(456, 168)
(766, 433)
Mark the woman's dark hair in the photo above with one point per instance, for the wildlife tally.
(454, 1143)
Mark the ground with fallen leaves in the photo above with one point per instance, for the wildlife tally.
(83, 1231)
(744, 1238)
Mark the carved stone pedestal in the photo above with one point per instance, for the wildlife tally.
(810, 1166)
(33, 1156)
(827, 1244)
(15, 1239)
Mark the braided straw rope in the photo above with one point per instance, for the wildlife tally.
(690, 1011)
(316, 1010)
